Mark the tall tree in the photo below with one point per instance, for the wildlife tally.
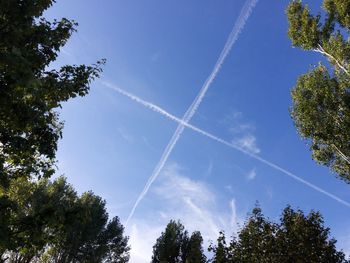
(174, 246)
(321, 97)
(169, 246)
(301, 236)
(296, 238)
(256, 242)
(195, 253)
(220, 250)
(30, 91)
(54, 224)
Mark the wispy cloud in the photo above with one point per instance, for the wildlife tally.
(142, 238)
(248, 143)
(229, 144)
(252, 174)
(234, 217)
(236, 124)
(193, 202)
(242, 131)
(238, 26)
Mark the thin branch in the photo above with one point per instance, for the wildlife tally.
(322, 51)
(342, 154)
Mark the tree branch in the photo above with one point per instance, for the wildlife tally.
(321, 50)
(342, 155)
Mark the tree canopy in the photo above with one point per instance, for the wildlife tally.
(30, 91)
(174, 246)
(52, 223)
(296, 238)
(43, 220)
(321, 97)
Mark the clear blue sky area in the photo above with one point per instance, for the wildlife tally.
(162, 51)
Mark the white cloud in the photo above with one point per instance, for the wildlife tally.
(236, 124)
(234, 221)
(252, 174)
(247, 142)
(193, 202)
(242, 131)
(142, 238)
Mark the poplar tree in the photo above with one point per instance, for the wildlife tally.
(321, 97)
(195, 253)
(175, 246)
(52, 223)
(295, 238)
(31, 91)
(42, 220)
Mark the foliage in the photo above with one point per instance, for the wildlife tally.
(53, 224)
(40, 220)
(30, 91)
(174, 246)
(220, 250)
(321, 97)
(297, 238)
(195, 253)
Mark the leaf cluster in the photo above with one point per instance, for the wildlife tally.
(297, 238)
(321, 97)
(175, 246)
(51, 223)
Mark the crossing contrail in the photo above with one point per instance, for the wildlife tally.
(239, 24)
(229, 144)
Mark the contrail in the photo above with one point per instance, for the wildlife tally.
(229, 144)
(239, 24)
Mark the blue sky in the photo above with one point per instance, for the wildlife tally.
(163, 51)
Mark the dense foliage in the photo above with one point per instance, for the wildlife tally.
(46, 221)
(297, 238)
(29, 91)
(321, 97)
(43, 220)
(52, 223)
(174, 246)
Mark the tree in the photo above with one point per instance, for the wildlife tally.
(54, 224)
(256, 242)
(297, 238)
(36, 209)
(195, 253)
(220, 250)
(321, 97)
(30, 91)
(169, 246)
(89, 237)
(302, 236)
(174, 246)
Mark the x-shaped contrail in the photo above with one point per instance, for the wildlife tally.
(184, 122)
(222, 141)
(237, 28)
